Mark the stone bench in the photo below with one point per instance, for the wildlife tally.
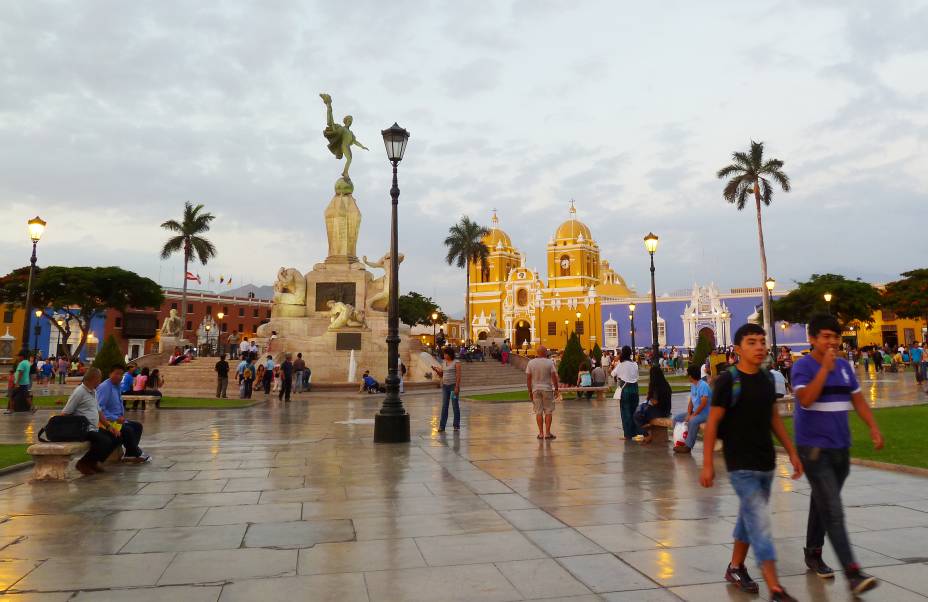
(667, 425)
(600, 391)
(52, 459)
(143, 398)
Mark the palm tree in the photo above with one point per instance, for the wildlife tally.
(189, 240)
(465, 246)
(749, 175)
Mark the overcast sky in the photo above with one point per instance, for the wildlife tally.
(112, 114)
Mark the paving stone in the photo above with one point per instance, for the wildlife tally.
(477, 548)
(318, 588)
(181, 539)
(299, 534)
(228, 565)
(376, 555)
(456, 583)
(73, 573)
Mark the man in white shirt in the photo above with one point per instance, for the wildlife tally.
(541, 377)
(83, 402)
(243, 347)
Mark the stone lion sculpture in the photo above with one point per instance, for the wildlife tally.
(290, 287)
(343, 315)
(380, 288)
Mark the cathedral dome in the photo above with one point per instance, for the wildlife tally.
(573, 229)
(496, 236)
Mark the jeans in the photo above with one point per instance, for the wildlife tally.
(298, 381)
(447, 394)
(285, 385)
(222, 383)
(102, 444)
(130, 435)
(826, 470)
(692, 430)
(650, 413)
(753, 526)
(628, 403)
(61, 377)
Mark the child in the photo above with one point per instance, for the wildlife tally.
(826, 388)
(743, 414)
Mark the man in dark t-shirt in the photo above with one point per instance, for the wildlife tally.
(222, 376)
(286, 378)
(744, 415)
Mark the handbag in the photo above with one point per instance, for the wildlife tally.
(680, 430)
(65, 428)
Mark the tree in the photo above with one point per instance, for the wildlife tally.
(108, 356)
(84, 292)
(416, 309)
(908, 297)
(749, 175)
(569, 366)
(465, 247)
(189, 241)
(597, 354)
(702, 350)
(851, 300)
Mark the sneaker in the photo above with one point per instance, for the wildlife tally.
(781, 596)
(681, 449)
(815, 563)
(739, 576)
(860, 582)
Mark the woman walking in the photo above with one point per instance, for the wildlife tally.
(627, 373)
(450, 373)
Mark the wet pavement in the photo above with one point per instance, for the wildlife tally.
(281, 501)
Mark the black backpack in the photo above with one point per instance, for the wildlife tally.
(65, 428)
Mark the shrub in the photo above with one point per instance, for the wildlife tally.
(702, 351)
(569, 366)
(108, 356)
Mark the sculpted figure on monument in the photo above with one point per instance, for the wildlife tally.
(172, 326)
(343, 315)
(290, 287)
(495, 330)
(340, 137)
(381, 286)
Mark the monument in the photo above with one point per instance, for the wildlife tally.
(172, 333)
(337, 310)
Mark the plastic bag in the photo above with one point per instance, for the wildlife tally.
(679, 433)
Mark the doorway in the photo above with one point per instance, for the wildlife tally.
(523, 333)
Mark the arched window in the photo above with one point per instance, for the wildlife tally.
(565, 265)
(485, 273)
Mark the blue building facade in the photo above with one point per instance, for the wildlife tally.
(683, 317)
(50, 340)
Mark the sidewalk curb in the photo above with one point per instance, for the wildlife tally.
(888, 466)
(16, 467)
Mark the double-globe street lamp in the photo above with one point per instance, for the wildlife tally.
(771, 283)
(391, 424)
(650, 243)
(36, 228)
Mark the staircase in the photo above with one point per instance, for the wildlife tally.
(195, 379)
(489, 374)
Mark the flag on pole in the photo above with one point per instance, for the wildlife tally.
(222, 279)
(192, 276)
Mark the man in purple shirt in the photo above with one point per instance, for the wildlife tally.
(827, 389)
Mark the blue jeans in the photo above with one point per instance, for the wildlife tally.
(826, 471)
(692, 431)
(753, 526)
(447, 394)
(628, 403)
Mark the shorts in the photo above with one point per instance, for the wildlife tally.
(542, 402)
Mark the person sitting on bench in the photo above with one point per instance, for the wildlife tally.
(83, 402)
(114, 412)
(659, 397)
(369, 384)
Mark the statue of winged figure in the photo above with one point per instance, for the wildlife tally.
(340, 137)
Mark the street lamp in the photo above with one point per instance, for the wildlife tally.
(631, 317)
(771, 283)
(650, 243)
(827, 297)
(434, 319)
(36, 228)
(37, 329)
(207, 328)
(577, 323)
(220, 315)
(391, 424)
(566, 333)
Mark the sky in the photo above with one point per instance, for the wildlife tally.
(114, 113)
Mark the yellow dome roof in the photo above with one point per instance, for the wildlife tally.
(573, 228)
(495, 236)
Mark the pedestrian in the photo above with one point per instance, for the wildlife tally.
(222, 377)
(743, 415)
(62, 369)
(268, 376)
(827, 389)
(286, 378)
(450, 373)
(627, 374)
(542, 383)
(248, 378)
(298, 367)
(918, 358)
(243, 348)
(504, 352)
(697, 409)
(20, 398)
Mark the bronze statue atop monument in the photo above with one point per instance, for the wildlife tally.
(341, 139)
(342, 216)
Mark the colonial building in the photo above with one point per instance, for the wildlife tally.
(511, 300)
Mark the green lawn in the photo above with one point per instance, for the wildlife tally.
(13, 454)
(58, 401)
(902, 432)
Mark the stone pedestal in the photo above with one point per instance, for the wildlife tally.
(167, 344)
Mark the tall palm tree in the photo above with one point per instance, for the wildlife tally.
(465, 247)
(188, 240)
(752, 174)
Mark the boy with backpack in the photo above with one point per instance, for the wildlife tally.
(827, 389)
(744, 414)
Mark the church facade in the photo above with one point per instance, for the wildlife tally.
(511, 300)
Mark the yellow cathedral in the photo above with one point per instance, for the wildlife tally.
(510, 300)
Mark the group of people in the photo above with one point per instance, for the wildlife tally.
(885, 358)
(100, 402)
(286, 378)
(141, 382)
(34, 370)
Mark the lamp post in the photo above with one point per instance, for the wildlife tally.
(391, 424)
(631, 317)
(208, 346)
(827, 297)
(650, 243)
(576, 324)
(36, 329)
(771, 283)
(36, 228)
(220, 315)
(434, 319)
(566, 333)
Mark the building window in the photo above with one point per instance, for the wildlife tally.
(173, 305)
(268, 314)
(117, 323)
(578, 327)
(241, 328)
(190, 308)
(189, 325)
(225, 310)
(225, 327)
(241, 312)
(612, 331)
(552, 329)
(8, 316)
(254, 312)
(209, 310)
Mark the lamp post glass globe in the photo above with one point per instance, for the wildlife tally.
(38, 313)
(650, 242)
(631, 307)
(771, 283)
(36, 228)
(394, 139)
(827, 297)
